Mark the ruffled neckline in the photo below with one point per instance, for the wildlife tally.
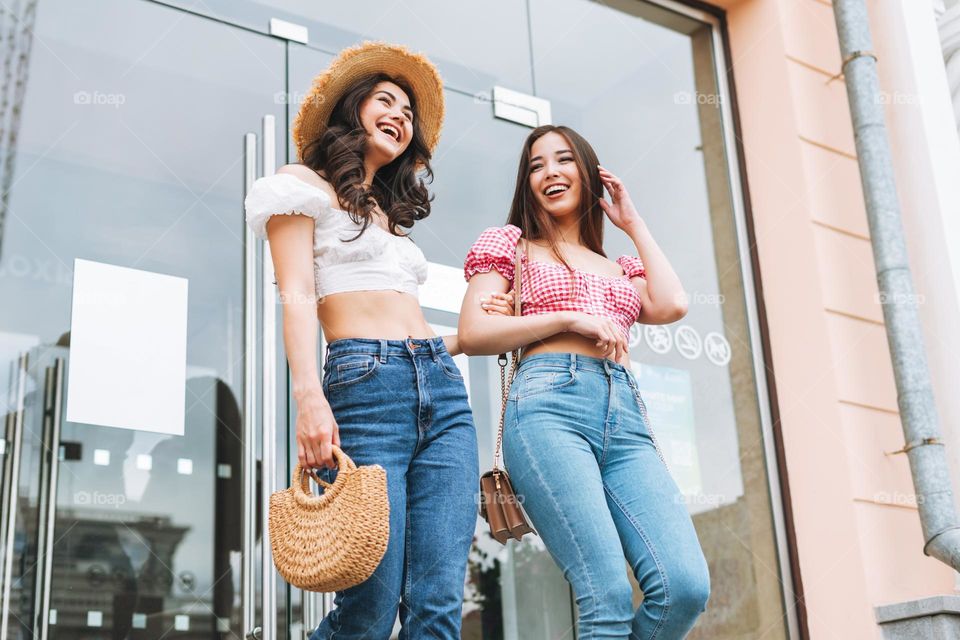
(333, 208)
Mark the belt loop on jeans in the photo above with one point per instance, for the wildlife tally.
(433, 349)
(606, 367)
(383, 351)
(573, 363)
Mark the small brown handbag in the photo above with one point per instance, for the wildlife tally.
(499, 505)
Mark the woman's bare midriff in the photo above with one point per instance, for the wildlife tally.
(569, 343)
(389, 315)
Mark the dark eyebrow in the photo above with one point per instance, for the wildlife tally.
(394, 98)
(557, 153)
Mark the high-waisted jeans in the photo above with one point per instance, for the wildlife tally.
(582, 458)
(402, 404)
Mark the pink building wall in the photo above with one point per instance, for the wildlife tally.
(856, 526)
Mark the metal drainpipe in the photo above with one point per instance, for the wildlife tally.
(918, 413)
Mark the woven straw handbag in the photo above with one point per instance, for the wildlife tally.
(332, 541)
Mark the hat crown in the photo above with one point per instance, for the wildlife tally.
(361, 61)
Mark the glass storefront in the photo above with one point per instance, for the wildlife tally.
(124, 132)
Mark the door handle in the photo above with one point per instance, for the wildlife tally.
(268, 354)
(268, 345)
(49, 474)
(11, 494)
(249, 467)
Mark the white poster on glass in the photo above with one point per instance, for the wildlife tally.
(444, 288)
(128, 348)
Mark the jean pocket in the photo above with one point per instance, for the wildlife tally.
(449, 366)
(539, 380)
(351, 369)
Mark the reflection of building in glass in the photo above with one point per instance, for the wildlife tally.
(113, 570)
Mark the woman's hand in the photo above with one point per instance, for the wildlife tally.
(317, 429)
(620, 209)
(498, 303)
(607, 334)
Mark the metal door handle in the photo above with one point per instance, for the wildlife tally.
(249, 467)
(268, 481)
(11, 495)
(49, 474)
(268, 354)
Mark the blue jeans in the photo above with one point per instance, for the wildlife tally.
(580, 454)
(402, 404)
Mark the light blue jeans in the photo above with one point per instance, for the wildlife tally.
(582, 460)
(402, 404)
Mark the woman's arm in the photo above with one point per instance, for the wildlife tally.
(483, 333)
(662, 297)
(291, 245)
(493, 303)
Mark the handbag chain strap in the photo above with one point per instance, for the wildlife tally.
(646, 419)
(507, 380)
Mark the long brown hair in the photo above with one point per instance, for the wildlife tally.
(535, 223)
(339, 151)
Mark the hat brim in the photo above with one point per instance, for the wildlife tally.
(354, 63)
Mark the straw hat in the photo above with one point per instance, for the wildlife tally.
(368, 58)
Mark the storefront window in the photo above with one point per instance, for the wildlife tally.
(129, 151)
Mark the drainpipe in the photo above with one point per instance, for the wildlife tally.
(918, 413)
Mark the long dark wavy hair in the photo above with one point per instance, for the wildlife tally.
(537, 224)
(397, 187)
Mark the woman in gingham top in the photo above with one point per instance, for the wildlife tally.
(577, 444)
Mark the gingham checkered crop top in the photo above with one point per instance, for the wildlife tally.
(548, 287)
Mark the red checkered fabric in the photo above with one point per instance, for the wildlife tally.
(549, 287)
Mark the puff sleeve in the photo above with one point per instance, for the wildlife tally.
(282, 194)
(494, 249)
(632, 266)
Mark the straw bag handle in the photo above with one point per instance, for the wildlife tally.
(301, 475)
(506, 381)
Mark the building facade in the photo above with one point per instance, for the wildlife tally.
(131, 129)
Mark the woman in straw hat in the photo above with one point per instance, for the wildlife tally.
(390, 391)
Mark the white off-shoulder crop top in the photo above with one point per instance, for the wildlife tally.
(377, 260)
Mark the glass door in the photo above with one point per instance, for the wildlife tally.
(124, 138)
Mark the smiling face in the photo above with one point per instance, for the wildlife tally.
(387, 117)
(553, 175)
